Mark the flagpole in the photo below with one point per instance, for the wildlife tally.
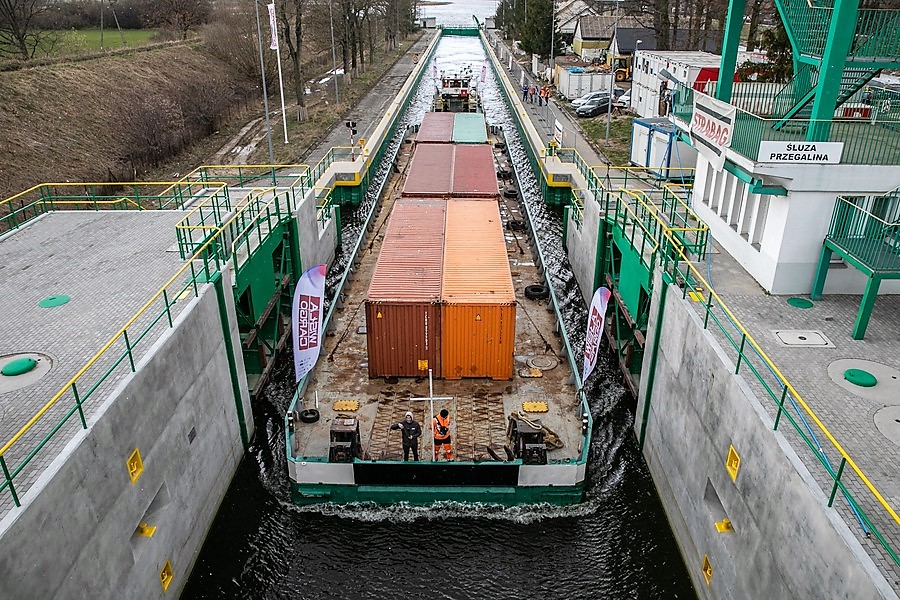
(276, 46)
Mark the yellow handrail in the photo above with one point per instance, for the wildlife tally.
(24, 429)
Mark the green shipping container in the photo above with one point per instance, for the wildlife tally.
(469, 128)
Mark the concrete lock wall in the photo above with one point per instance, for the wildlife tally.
(75, 535)
(582, 243)
(786, 542)
(317, 244)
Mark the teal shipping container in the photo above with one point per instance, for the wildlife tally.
(469, 128)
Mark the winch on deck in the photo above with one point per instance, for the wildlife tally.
(526, 438)
(345, 442)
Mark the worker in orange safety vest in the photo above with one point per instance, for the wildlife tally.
(440, 425)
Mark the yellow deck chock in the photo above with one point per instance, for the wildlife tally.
(535, 407)
(349, 405)
(724, 526)
(696, 294)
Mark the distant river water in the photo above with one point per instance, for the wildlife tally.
(616, 544)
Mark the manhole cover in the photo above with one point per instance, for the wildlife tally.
(887, 420)
(14, 375)
(803, 338)
(53, 301)
(800, 302)
(887, 380)
(544, 362)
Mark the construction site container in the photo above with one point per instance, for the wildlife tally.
(478, 313)
(436, 128)
(474, 174)
(430, 172)
(469, 128)
(402, 307)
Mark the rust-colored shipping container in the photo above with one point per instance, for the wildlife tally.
(478, 315)
(430, 173)
(436, 128)
(402, 307)
(474, 175)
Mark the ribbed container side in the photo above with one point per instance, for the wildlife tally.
(436, 128)
(402, 311)
(469, 128)
(478, 340)
(430, 172)
(474, 174)
(478, 316)
(403, 339)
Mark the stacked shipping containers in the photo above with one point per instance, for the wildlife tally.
(478, 316)
(436, 128)
(402, 308)
(445, 170)
(469, 128)
(442, 294)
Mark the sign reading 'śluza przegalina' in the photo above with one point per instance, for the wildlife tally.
(712, 126)
(800, 152)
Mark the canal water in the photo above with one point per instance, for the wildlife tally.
(616, 544)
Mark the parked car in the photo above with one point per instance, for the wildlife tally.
(593, 108)
(590, 96)
(617, 91)
(624, 101)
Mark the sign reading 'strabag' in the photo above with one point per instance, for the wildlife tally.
(712, 126)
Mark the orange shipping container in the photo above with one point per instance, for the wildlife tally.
(478, 316)
(402, 307)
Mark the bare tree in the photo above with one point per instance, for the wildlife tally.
(19, 37)
(181, 16)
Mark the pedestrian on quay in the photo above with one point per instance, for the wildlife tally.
(524, 92)
(440, 425)
(542, 94)
(411, 432)
(531, 93)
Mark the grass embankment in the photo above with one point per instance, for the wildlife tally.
(618, 153)
(88, 40)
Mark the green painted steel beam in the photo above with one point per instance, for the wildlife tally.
(834, 59)
(654, 356)
(232, 364)
(734, 20)
(757, 186)
(865, 307)
(821, 273)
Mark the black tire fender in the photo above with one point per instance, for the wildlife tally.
(309, 415)
(537, 292)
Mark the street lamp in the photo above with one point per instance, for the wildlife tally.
(262, 71)
(612, 69)
(337, 99)
(552, 39)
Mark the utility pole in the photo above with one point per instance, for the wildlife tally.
(612, 69)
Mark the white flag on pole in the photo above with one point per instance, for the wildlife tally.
(273, 25)
(306, 313)
(594, 332)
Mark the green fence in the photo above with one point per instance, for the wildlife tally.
(868, 229)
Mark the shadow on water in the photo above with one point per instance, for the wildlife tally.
(616, 544)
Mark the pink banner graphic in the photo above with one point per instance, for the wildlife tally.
(273, 25)
(594, 333)
(307, 315)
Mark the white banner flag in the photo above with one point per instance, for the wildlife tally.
(273, 25)
(712, 126)
(307, 315)
(594, 332)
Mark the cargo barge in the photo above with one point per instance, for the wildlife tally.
(434, 319)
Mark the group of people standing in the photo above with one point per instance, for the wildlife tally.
(411, 431)
(530, 91)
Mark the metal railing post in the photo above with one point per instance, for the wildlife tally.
(837, 480)
(9, 482)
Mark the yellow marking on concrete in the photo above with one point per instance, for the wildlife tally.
(166, 576)
(733, 462)
(707, 569)
(349, 405)
(696, 296)
(135, 466)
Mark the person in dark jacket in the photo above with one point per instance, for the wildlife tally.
(411, 431)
